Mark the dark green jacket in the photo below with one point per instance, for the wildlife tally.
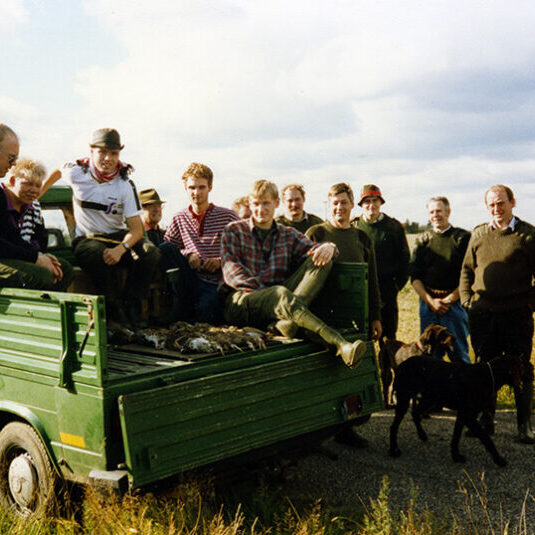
(499, 267)
(391, 253)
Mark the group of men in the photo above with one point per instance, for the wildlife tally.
(246, 266)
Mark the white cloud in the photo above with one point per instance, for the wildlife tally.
(12, 15)
(419, 97)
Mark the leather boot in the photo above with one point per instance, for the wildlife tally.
(523, 398)
(351, 353)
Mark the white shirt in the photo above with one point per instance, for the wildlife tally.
(118, 195)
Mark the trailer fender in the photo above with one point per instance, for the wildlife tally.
(24, 413)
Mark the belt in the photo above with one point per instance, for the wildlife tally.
(437, 293)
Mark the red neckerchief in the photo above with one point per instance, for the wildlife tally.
(199, 218)
(97, 175)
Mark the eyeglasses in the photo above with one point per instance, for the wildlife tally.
(11, 158)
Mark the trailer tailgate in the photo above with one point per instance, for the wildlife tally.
(191, 423)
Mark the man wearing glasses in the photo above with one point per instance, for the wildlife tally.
(9, 149)
(23, 264)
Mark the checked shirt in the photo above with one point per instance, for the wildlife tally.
(249, 263)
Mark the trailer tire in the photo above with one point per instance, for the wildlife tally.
(27, 477)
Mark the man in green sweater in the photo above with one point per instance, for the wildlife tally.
(435, 268)
(354, 245)
(391, 252)
(293, 199)
(496, 287)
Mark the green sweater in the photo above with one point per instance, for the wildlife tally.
(437, 258)
(354, 245)
(302, 226)
(498, 269)
(391, 253)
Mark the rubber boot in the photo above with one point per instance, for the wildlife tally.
(287, 328)
(523, 398)
(351, 353)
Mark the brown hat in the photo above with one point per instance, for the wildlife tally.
(149, 196)
(368, 190)
(106, 138)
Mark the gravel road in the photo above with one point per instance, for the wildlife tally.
(357, 474)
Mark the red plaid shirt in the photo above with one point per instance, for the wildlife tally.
(248, 263)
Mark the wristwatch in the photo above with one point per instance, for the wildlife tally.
(125, 245)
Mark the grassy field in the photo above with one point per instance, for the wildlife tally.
(199, 505)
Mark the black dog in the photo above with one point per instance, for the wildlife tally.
(434, 341)
(466, 388)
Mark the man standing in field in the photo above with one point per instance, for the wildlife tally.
(192, 244)
(496, 287)
(391, 253)
(293, 199)
(435, 268)
(259, 259)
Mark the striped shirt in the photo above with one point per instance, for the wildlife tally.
(201, 236)
(250, 263)
(32, 223)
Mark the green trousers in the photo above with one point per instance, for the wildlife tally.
(21, 274)
(285, 301)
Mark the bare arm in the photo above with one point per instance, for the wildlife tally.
(50, 181)
(113, 255)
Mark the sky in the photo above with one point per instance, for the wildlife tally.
(422, 98)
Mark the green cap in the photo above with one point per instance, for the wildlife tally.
(149, 196)
(106, 138)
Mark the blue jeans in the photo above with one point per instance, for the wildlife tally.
(195, 299)
(456, 321)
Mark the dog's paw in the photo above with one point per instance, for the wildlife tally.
(500, 461)
(394, 452)
(458, 458)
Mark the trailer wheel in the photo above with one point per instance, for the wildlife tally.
(27, 478)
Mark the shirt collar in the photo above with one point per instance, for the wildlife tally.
(442, 231)
(274, 226)
(511, 224)
(148, 227)
(9, 206)
(380, 218)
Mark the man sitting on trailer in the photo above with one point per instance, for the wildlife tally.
(23, 265)
(259, 259)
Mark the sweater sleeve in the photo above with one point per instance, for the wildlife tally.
(402, 274)
(467, 273)
(374, 296)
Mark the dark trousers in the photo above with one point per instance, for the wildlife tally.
(494, 333)
(195, 299)
(21, 274)
(109, 279)
(389, 316)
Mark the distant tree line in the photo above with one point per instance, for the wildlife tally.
(413, 227)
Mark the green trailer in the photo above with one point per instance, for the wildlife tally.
(74, 407)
